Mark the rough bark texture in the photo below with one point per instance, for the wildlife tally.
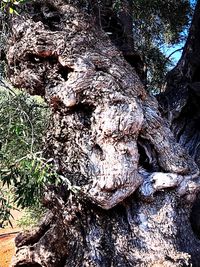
(181, 98)
(180, 102)
(107, 136)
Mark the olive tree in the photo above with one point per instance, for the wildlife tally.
(128, 161)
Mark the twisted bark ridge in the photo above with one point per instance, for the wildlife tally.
(108, 138)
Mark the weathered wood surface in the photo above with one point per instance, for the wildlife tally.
(108, 137)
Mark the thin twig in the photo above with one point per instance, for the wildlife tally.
(167, 59)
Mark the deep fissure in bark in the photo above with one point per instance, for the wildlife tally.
(107, 136)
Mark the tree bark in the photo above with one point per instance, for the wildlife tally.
(181, 98)
(132, 184)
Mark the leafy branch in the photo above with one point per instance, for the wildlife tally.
(23, 171)
(11, 6)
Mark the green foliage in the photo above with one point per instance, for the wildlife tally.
(160, 21)
(157, 66)
(6, 204)
(117, 4)
(31, 217)
(29, 176)
(157, 24)
(23, 121)
(11, 6)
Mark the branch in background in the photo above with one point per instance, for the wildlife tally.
(168, 58)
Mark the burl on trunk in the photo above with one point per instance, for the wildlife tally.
(107, 136)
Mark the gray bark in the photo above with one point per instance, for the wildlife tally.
(136, 184)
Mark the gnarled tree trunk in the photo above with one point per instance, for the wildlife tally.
(136, 183)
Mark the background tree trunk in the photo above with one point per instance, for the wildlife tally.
(136, 184)
(181, 98)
